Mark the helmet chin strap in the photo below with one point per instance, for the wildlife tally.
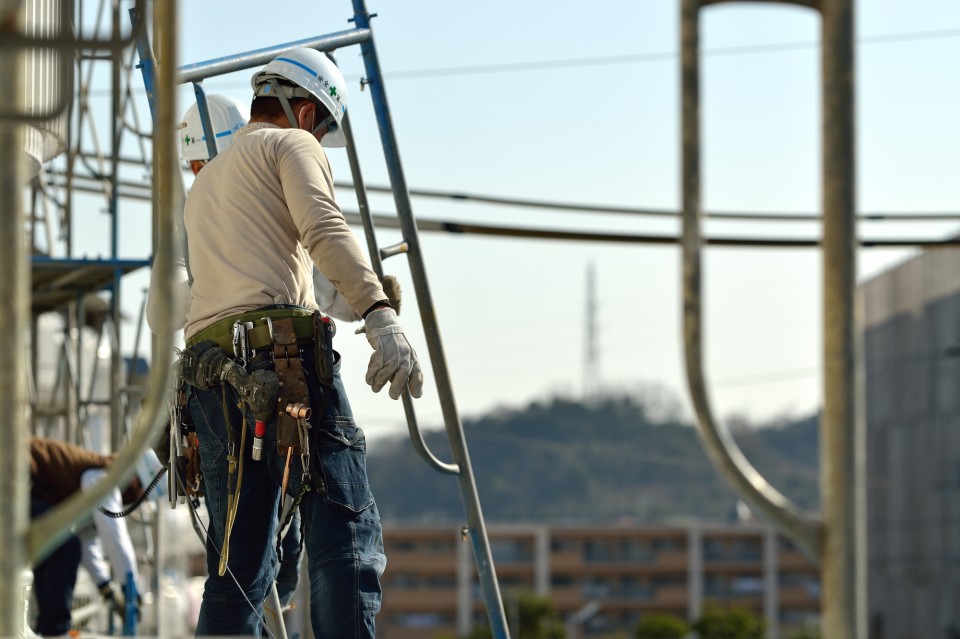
(280, 91)
(328, 123)
(285, 103)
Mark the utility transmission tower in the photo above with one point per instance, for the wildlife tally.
(591, 352)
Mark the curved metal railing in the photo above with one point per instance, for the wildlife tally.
(837, 538)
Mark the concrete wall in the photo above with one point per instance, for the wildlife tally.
(911, 318)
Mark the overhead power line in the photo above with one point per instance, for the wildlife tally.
(945, 216)
(658, 56)
(427, 225)
(634, 58)
(387, 221)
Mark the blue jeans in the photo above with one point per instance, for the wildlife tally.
(291, 554)
(53, 581)
(342, 536)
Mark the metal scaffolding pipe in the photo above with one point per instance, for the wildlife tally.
(14, 324)
(838, 538)
(220, 66)
(376, 261)
(476, 528)
(717, 441)
(842, 426)
(50, 529)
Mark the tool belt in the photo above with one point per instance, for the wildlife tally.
(268, 336)
(258, 337)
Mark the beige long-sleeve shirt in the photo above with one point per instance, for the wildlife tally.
(258, 217)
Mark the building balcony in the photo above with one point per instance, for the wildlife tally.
(419, 599)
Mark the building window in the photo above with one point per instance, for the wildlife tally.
(511, 551)
(442, 581)
(400, 546)
(564, 545)
(720, 586)
(425, 620)
(634, 588)
(749, 585)
(404, 580)
(595, 587)
(442, 547)
(667, 544)
(807, 581)
(736, 549)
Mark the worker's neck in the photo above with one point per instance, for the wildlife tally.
(279, 121)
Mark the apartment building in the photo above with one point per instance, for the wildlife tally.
(431, 589)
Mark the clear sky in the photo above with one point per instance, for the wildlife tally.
(579, 102)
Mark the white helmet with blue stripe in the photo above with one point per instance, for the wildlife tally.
(227, 116)
(306, 73)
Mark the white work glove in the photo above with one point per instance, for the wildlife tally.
(393, 359)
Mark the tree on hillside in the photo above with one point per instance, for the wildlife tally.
(538, 619)
(728, 623)
(658, 625)
(565, 462)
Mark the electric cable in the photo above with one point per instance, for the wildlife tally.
(634, 58)
(944, 216)
(659, 56)
(137, 503)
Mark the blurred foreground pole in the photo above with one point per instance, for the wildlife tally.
(842, 425)
(14, 298)
(837, 539)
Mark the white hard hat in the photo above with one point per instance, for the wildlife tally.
(315, 76)
(226, 117)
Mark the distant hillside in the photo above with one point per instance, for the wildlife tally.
(565, 462)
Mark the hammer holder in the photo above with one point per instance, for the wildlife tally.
(293, 383)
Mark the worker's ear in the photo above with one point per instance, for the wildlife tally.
(307, 116)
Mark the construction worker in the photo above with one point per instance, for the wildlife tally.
(258, 217)
(227, 116)
(57, 471)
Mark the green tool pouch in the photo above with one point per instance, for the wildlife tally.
(293, 383)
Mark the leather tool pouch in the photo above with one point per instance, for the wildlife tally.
(293, 384)
(323, 331)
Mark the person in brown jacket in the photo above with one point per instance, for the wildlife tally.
(57, 471)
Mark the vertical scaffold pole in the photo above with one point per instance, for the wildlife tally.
(476, 528)
(14, 327)
(842, 427)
